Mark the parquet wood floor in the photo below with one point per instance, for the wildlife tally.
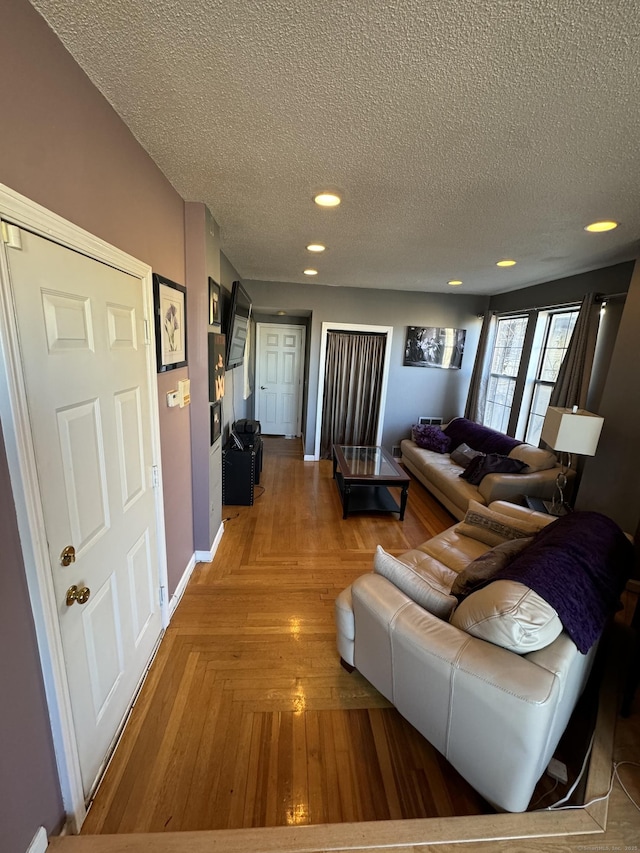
(246, 718)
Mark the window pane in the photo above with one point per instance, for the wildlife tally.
(499, 398)
(508, 346)
(541, 397)
(560, 329)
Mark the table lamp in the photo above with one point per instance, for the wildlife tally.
(569, 431)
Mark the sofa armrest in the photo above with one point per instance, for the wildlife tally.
(540, 484)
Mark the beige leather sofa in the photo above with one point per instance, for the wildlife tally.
(440, 475)
(496, 714)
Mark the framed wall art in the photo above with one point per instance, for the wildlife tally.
(432, 346)
(170, 303)
(215, 312)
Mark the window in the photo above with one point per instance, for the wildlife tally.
(505, 364)
(527, 354)
(559, 328)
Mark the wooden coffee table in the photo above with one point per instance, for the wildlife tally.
(363, 475)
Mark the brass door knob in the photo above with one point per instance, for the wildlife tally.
(68, 556)
(80, 595)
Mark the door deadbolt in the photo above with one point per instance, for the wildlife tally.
(68, 556)
(80, 595)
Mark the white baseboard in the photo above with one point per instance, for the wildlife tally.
(182, 585)
(40, 841)
(207, 556)
(309, 458)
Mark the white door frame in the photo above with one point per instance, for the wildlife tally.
(259, 329)
(18, 210)
(352, 327)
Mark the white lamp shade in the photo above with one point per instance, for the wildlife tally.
(572, 432)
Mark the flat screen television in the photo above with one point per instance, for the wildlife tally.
(237, 325)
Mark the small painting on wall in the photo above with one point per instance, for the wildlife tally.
(432, 346)
(216, 421)
(215, 313)
(171, 323)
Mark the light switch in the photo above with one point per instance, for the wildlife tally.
(184, 392)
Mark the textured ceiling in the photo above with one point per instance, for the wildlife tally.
(458, 132)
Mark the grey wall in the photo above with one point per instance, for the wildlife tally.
(234, 406)
(610, 482)
(412, 391)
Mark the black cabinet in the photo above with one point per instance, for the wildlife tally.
(240, 472)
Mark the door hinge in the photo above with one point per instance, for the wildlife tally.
(147, 339)
(161, 596)
(11, 236)
(155, 476)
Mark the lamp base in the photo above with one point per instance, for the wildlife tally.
(556, 508)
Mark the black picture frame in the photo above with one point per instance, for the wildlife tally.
(216, 421)
(170, 307)
(215, 303)
(434, 346)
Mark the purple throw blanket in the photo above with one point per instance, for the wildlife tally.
(463, 431)
(579, 565)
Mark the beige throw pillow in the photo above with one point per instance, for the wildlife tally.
(508, 614)
(416, 583)
(493, 528)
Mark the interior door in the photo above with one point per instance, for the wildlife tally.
(82, 345)
(279, 378)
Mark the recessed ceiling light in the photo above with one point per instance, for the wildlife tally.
(506, 262)
(316, 247)
(455, 282)
(327, 199)
(602, 225)
(310, 272)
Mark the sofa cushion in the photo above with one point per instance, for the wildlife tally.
(479, 437)
(510, 615)
(421, 585)
(484, 567)
(491, 463)
(463, 454)
(535, 458)
(492, 527)
(430, 437)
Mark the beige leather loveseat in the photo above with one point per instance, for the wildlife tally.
(440, 473)
(491, 681)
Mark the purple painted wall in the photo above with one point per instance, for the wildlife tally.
(29, 791)
(64, 147)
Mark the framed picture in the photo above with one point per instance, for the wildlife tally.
(215, 314)
(216, 421)
(170, 303)
(216, 366)
(432, 346)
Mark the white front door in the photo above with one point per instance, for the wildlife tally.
(279, 378)
(82, 347)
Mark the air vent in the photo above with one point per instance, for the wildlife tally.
(396, 452)
(429, 421)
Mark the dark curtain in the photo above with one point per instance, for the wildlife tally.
(574, 375)
(477, 397)
(352, 389)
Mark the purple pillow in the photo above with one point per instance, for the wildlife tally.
(431, 438)
(492, 463)
(479, 437)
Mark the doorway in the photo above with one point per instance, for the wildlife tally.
(279, 372)
(327, 328)
(80, 416)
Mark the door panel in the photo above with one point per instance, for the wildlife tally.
(279, 378)
(81, 332)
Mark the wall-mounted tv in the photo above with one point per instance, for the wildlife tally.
(237, 325)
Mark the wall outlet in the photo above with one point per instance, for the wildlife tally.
(396, 452)
(557, 770)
